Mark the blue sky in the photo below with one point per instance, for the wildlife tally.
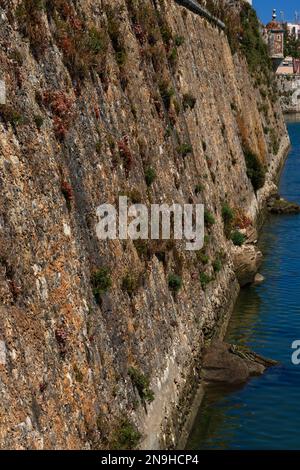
(264, 8)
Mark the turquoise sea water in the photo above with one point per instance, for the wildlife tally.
(265, 414)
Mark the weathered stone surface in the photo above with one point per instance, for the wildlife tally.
(222, 366)
(77, 143)
(246, 261)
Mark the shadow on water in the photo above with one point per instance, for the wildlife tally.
(265, 413)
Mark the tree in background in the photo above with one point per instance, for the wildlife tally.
(291, 44)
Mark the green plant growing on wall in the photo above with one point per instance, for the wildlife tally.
(209, 219)
(205, 279)
(165, 30)
(150, 176)
(166, 92)
(253, 46)
(39, 121)
(130, 284)
(11, 115)
(29, 16)
(116, 36)
(238, 238)
(202, 257)
(184, 149)
(255, 169)
(227, 216)
(189, 101)
(126, 435)
(217, 265)
(142, 383)
(174, 282)
(84, 47)
(179, 41)
(101, 282)
(173, 57)
(199, 188)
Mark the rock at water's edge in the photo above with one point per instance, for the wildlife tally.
(221, 365)
(246, 260)
(278, 205)
(258, 279)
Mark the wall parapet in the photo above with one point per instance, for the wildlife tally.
(194, 6)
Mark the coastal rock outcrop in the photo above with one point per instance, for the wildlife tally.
(231, 365)
(246, 260)
(279, 205)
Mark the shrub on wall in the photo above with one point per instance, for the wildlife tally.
(238, 238)
(255, 169)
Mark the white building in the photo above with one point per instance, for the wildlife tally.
(294, 29)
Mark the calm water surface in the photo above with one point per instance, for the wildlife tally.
(265, 414)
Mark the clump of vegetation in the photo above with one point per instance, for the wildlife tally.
(39, 121)
(209, 219)
(10, 115)
(101, 282)
(150, 176)
(185, 149)
(255, 169)
(238, 238)
(199, 188)
(29, 16)
(217, 265)
(84, 47)
(142, 384)
(174, 282)
(202, 257)
(244, 34)
(253, 46)
(130, 284)
(205, 279)
(126, 436)
(166, 92)
(173, 57)
(189, 101)
(116, 36)
(165, 31)
(228, 217)
(61, 105)
(227, 213)
(179, 40)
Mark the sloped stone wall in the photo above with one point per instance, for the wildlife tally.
(74, 136)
